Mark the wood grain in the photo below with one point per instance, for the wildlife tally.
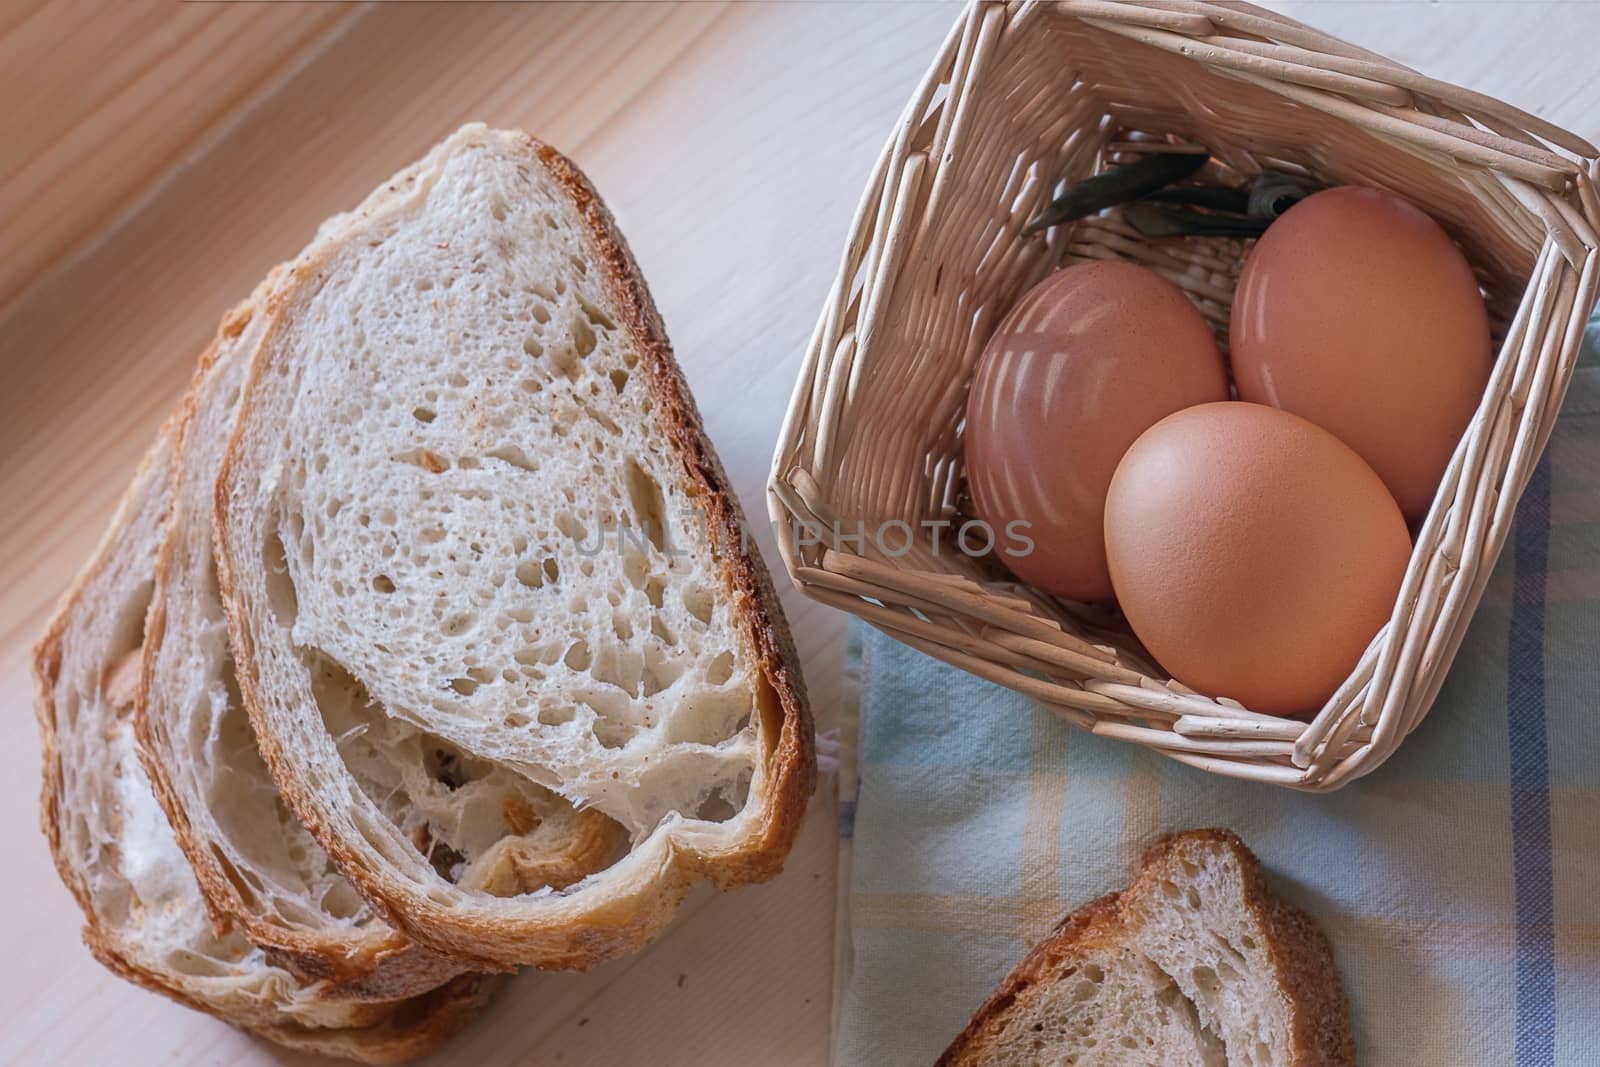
(79, 143)
(732, 141)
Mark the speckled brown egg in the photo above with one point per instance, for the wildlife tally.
(1085, 362)
(1254, 554)
(1357, 311)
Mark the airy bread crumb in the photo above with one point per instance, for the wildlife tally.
(1194, 963)
(474, 548)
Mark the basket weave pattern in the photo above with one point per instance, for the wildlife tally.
(1025, 97)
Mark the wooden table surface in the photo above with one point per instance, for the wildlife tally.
(157, 158)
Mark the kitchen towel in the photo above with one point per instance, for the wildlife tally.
(1459, 883)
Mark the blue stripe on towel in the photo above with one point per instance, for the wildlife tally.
(1530, 780)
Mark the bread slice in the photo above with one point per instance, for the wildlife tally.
(459, 395)
(115, 851)
(257, 866)
(1195, 963)
(1087, 996)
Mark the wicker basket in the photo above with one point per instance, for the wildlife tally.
(1025, 95)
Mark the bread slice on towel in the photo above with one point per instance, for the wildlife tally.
(1195, 963)
(460, 396)
(257, 866)
(1087, 996)
(115, 851)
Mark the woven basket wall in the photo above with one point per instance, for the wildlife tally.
(1024, 97)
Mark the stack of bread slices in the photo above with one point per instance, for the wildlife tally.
(426, 643)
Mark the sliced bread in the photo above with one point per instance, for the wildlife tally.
(115, 851)
(486, 581)
(1195, 963)
(257, 866)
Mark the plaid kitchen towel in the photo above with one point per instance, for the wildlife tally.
(1459, 883)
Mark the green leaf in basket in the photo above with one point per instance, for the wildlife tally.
(1166, 220)
(1117, 186)
(1211, 197)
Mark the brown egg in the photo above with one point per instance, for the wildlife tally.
(1085, 362)
(1357, 311)
(1253, 553)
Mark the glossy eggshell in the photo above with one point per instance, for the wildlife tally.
(1357, 311)
(1085, 362)
(1254, 554)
